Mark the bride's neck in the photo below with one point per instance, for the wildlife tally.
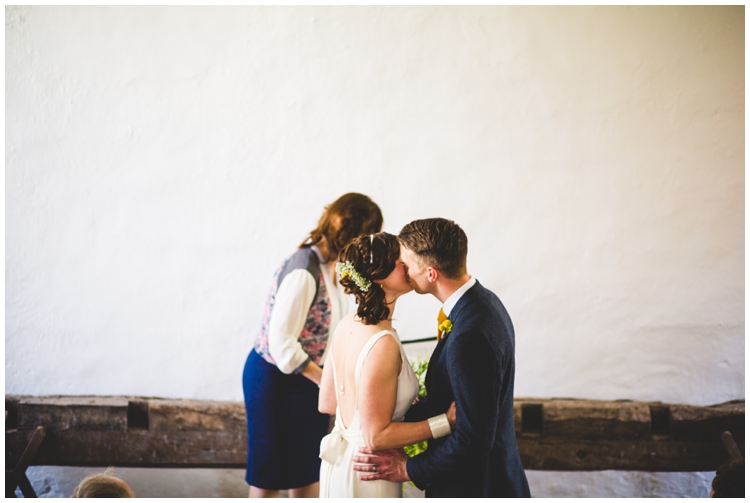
(390, 301)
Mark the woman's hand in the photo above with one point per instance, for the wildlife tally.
(451, 413)
(313, 372)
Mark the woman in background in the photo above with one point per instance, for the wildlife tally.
(283, 371)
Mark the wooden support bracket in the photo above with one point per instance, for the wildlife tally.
(731, 445)
(17, 476)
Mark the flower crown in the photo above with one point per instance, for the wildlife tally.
(347, 269)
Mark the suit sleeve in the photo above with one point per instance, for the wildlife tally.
(417, 412)
(474, 376)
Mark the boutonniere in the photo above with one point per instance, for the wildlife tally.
(445, 328)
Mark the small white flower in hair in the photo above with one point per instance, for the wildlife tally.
(347, 269)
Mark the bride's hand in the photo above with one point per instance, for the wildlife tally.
(452, 416)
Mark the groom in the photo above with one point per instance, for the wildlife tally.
(473, 364)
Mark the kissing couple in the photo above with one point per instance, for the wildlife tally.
(371, 388)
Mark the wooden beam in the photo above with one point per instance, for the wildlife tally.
(552, 434)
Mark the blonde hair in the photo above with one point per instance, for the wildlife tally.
(103, 485)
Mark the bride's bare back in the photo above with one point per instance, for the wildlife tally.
(379, 378)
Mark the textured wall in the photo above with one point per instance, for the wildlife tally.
(160, 161)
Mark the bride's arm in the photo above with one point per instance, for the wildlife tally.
(327, 395)
(377, 400)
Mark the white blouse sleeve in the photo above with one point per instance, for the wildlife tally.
(293, 298)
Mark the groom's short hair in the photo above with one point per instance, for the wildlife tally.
(437, 243)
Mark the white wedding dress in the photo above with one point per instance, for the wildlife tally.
(337, 476)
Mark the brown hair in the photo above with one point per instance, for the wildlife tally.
(385, 250)
(438, 243)
(102, 485)
(343, 220)
(730, 479)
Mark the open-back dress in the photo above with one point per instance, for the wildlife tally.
(337, 476)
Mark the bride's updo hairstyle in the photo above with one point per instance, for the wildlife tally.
(371, 262)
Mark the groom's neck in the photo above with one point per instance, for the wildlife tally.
(445, 287)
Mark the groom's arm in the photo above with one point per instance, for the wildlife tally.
(474, 374)
(417, 412)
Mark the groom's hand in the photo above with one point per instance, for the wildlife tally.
(382, 465)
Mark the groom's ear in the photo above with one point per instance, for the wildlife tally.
(432, 274)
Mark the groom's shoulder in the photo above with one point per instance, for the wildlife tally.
(484, 292)
(483, 312)
(481, 301)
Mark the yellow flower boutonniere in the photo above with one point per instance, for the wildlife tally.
(446, 327)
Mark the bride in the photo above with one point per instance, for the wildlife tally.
(368, 382)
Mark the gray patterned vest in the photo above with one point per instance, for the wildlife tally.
(314, 335)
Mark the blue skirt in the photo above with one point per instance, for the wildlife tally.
(284, 427)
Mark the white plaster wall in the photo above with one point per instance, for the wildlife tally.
(161, 161)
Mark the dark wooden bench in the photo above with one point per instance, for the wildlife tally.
(552, 434)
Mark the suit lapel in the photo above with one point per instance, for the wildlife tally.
(455, 315)
(432, 367)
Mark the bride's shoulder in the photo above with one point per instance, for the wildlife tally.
(387, 339)
(383, 355)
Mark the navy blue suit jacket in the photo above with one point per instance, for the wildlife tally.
(474, 365)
